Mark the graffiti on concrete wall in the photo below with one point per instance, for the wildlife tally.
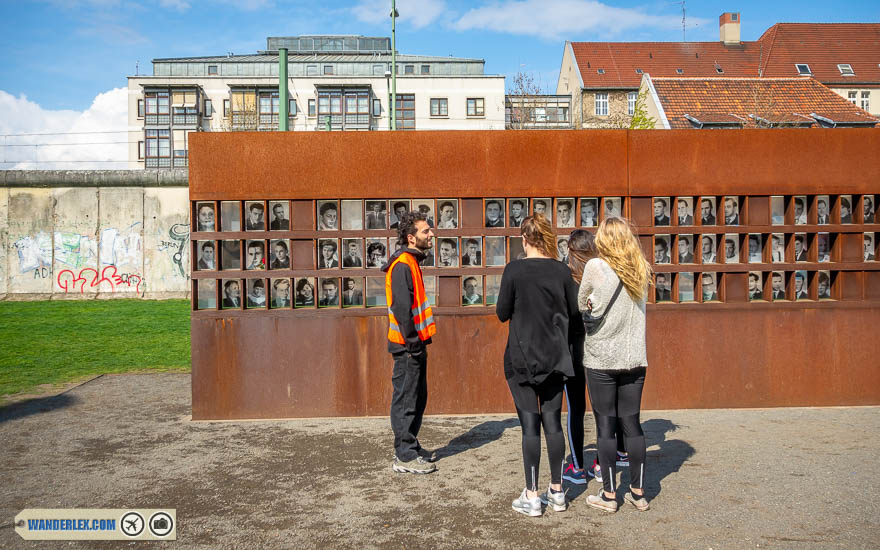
(74, 250)
(35, 254)
(90, 278)
(178, 237)
(121, 248)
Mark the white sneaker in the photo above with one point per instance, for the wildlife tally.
(596, 501)
(555, 500)
(528, 506)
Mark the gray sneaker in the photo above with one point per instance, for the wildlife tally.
(556, 500)
(417, 465)
(428, 456)
(640, 502)
(528, 506)
(596, 501)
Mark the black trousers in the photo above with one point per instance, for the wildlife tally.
(410, 383)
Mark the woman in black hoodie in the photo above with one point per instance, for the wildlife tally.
(538, 299)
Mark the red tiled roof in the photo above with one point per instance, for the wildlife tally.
(775, 100)
(820, 45)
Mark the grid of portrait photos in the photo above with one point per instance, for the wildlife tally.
(708, 234)
(329, 253)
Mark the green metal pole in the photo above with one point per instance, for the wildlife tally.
(393, 66)
(283, 117)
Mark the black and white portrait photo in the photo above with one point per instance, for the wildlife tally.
(707, 249)
(515, 249)
(352, 291)
(707, 210)
(230, 216)
(686, 249)
(494, 213)
(206, 255)
(663, 290)
(430, 289)
(777, 210)
(230, 254)
(686, 287)
(731, 248)
(447, 212)
(447, 252)
(207, 289)
(280, 215)
(375, 296)
(823, 210)
(613, 207)
(800, 247)
(231, 294)
(305, 292)
(777, 285)
(425, 207)
(493, 287)
(824, 285)
(756, 286)
(870, 253)
(755, 254)
(352, 253)
(823, 243)
(256, 294)
(255, 255)
(377, 253)
(564, 212)
(205, 216)
(472, 291)
(684, 210)
(352, 215)
(777, 248)
(562, 248)
(375, 214)
(429, 254)
(471, 252)
(254, 216)
(800, 210)
(868, 205)
(661, 249)
(543, 206)
(589, 212)
(329, 292)
(280, 255)
(800, 285)
(731, 210)
(709, 282)
(661, 211)
(399, 207)
(328, 254)
(846, 210)
(280, 294)
(494, 251)
(328, 216)
(518, 209)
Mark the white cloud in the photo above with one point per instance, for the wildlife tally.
(418, 13)
(556, 19)
(97, 151)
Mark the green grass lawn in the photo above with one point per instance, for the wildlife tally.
(54, 342)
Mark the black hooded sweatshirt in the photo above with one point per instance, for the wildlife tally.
(402, 298)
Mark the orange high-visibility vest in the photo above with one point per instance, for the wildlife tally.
(421, 311)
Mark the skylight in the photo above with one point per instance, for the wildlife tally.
(718, 69)
(845, 69)
(638, 71)
(679, 71)
(600, 71)
(803, 69)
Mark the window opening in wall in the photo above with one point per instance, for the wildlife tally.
(845, 69)
(157, 108)
(852, 96)
(378, 70)
(226, 108)
(601, 103)
(158, 148)
(328, 70)
(291, 108)
(866, 101)
(140, 108)
(405, 107)
(439, 106)
(476, 106)
(311, 70)
(803, 69)
(631, 98)
(426, 69)
(212, 69)
(209, 108)
(312, 110)
(140, 150)
(409, 69)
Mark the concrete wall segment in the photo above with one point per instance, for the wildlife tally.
(166, 243)
(95, 178)
(30, 229)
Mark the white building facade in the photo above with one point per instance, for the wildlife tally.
(335, 83)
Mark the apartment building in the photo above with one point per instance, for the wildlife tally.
(603, 78)
(335, 83)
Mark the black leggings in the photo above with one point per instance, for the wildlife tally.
(576, 396)
(616, 397)
(537, 406)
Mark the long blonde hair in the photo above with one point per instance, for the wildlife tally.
(538, 232)
(619, 247)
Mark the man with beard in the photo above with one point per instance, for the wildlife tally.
(410, 328)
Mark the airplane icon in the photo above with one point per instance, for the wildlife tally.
(132, 524)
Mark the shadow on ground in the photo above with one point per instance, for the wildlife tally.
(37, 405)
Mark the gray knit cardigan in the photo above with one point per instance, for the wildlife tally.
(620, 343)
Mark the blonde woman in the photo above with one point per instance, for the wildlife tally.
(539, 299)
(615, 355)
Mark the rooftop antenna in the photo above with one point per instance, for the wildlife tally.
(136, 68)
(683, 19)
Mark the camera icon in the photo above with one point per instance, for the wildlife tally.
(161, 524)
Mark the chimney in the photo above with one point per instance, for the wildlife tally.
(729, 28)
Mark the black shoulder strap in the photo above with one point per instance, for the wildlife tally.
(614, 297)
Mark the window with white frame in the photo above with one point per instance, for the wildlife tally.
(291, 108)
(476, 106)
(631, 98)
(852, 96)
(405, 107)
(439, 106)
(226, 108)
(866, 100)
(312, 109)
(845, 69)
(158, 148)
(140, 150)
(377, 108)
(268, 108)
(803, 69)
(601, 103)
(209, 108)
(140, 108)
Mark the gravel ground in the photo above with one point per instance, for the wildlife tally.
(770, 478)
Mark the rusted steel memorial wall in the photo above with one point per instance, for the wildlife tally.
(763, 241)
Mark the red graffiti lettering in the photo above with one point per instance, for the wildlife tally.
(68, 280)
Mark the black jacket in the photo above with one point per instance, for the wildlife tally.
(539, 298)
(402, 297)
